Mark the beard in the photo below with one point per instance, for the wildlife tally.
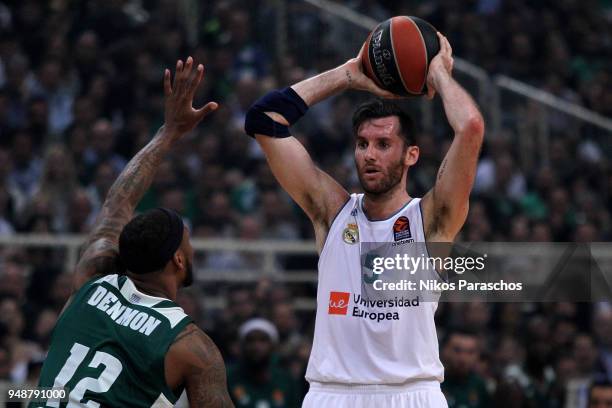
(188, 275)
(391, 177)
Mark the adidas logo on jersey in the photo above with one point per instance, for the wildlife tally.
(121, 314)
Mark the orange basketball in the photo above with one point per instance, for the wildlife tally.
(397, 54)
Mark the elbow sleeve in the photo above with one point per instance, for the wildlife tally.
(285, 102)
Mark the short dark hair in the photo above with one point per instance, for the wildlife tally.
(381, 108)
(142, 238)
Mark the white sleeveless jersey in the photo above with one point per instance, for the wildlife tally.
(361, 342)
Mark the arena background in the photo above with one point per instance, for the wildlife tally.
(80, 93)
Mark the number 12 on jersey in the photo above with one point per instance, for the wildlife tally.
(78, 352)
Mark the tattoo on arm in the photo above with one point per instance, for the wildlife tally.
(189, 330)
(349, 77)
(121, 200)
(206, 378)
(130, 186)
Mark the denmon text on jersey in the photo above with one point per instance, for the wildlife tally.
(123, 315)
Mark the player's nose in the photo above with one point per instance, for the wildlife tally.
(370, 154)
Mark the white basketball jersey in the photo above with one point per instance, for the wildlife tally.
(363, 342)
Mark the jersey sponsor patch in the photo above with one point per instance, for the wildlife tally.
(350, 235)
(338, 303)
(362, 307)
(401, 229)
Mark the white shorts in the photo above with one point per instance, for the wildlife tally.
(419, 394)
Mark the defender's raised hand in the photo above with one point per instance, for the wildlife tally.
(180, 115)
(101, 247)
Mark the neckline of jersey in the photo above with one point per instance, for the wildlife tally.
(384, 219)
(151, 300)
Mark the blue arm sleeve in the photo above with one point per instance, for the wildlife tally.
(285, 102)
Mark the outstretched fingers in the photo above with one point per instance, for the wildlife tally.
(167, 83)
(195, 81)
(181, 78)
(180, 114)
(207, 109)
(187, 71)
(177, 75)
(186, 79)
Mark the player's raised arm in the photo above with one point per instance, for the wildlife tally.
(100, 251)
(193, 361)
(446, 205)
(268, 120)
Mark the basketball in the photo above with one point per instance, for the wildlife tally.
(397, 54)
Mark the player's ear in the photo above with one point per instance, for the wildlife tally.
(411, 155)
(179, 260)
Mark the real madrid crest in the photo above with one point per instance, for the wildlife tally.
(350, 235)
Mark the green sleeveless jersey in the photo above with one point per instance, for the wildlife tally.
(109, 345)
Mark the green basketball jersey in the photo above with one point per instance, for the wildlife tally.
(109, 345)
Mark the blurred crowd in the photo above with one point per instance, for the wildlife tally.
(81, 93)
(564, 47)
